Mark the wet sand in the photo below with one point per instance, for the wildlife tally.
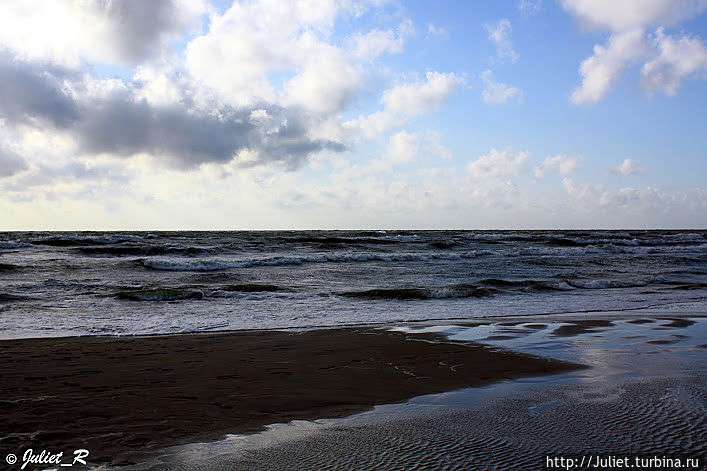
(645, 395)
(662, 417)
(122, 397)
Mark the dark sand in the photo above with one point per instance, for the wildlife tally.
(122, 397)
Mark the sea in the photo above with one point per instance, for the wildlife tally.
(138, 283)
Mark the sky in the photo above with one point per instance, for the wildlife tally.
(352, 114)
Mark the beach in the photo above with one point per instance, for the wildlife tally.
(642, 396)
(120, 397)
(129, 401)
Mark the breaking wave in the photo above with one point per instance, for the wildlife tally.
(214, 265)
(497, 286)
(184, 293)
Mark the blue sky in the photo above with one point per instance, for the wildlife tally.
(353, 114)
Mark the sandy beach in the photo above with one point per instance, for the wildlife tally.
(122, 397)
(643, 396)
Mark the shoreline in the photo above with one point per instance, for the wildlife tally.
(122, 397)
(656, 312)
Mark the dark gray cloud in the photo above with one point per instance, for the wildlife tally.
(123, 125)
(30, 91)
(10, 163)
(141, 26)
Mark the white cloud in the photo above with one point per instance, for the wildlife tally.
(622, 15)
(406, 147)
(585, 192)
(377, 42)
(669, 60)
(403, 147)
(677, 59)
(563, 164)
(498, 163)
(159, 85)
(286, 53)
(373, 125)
(404, 100)
(325, 84)
(68, 32)
(496, 92)
(601, 70)
(434, 148)
(642, 207)
(500, 34)
(251, 47)
(628, 167)
(418, 97)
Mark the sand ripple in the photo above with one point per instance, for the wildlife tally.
(664, 416)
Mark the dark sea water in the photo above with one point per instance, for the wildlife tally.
(58, 284)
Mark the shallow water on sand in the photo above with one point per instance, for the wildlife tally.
(646, 393)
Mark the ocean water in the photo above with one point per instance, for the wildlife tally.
(127, 283)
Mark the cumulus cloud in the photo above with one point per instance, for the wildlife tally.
(677, 59)
(666, 60)
(265, 82)
(378, 42)
(405, 147)
(326, 84)
(405, 100)
(249, 48)
(117, 123)
(622, 15)
(602, 69)
(373, 125)
(67, 32)
(628, 167)
(498, 163)
(498, 93)
(563, 164)
(418, 97)
(500, 34)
